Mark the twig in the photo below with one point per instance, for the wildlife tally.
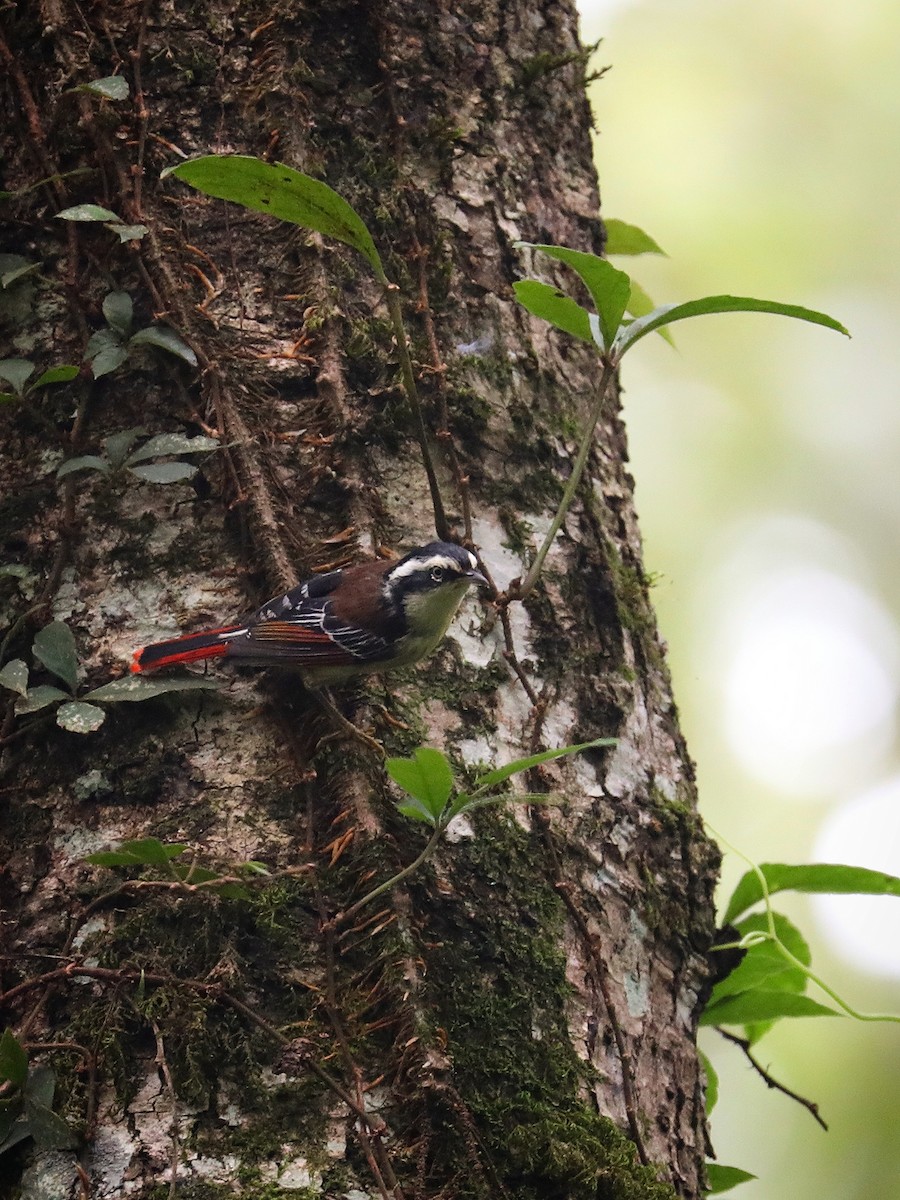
(769, 1080)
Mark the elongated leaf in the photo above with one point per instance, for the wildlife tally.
(85, 462)
(165, 339)
(810, 877)
(550, 304)
(141, 853)
(492, 778)
(78, 717)
(609, 287)
(108, 361)
(138, 687)
(119, 311)
(14, 676)
(54, 646)
(112, 87)
(86, 212)
(61, 374)
(639, 304)
(426, 776)
(173, 443)
(167, 472)
(712, 1082)
(622, 238)
(14, 267)
(117, 445)
(670, 313)
(283, 192)
(39, 697)
(723, 1179)
(16, 371)
(50, 1132)
(763, 965)
(13, 1059)
(763, 1005)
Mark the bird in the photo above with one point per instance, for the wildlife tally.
(357, 620)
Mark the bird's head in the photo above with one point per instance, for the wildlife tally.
(429, 583)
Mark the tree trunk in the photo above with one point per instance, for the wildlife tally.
(518, 1017)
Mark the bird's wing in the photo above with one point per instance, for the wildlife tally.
(310, 636)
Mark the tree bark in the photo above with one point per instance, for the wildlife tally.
(518, 1017)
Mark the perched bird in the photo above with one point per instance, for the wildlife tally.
(371, 617)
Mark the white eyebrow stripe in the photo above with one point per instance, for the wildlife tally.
(418, 565)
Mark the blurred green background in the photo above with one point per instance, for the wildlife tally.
(759, 143)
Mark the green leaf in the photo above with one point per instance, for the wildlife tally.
(20, 1130)
(38, 698)
(669, 313)
(145, 852)
(86, 212)
(283, 192)
(426, 776)
(622, 238)
(108, 361)
(712, 1082)
(15, 267)
(164, 339)
(639, 304)
(138, 687)
(118, 444)
(78, 717)
(723, 1179)
(416, 812)
(13, 1059)
(550, 304)
(111, 87)
(609, 288)
(86, 462)
(16, 371)
(40, 1087)
(810, 877)
(763, 963)
(129, 233)
(103, 339)
(54, 646)
(173, 443)
(168, 472)
(763, 1005)
(14, 676)
(61, 374)
(119, 312)
(492, 778)
(465, 803)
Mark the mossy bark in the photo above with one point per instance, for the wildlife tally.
(519, 1019)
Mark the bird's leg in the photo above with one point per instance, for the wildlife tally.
(324, 698)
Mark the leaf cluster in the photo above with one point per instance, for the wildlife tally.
(108, 348)
(26, 1101)
(120, 456)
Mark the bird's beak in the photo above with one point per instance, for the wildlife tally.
(477, 577)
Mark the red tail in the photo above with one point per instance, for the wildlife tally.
(194, 646)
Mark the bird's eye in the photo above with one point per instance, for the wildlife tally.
(437, 574)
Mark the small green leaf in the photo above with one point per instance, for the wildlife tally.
(763, 964)
(16, 371)
(86, 212)
(50, 1132)
(103, 339)
(639, 304)
(165, 339)
(836, 878)
(723, 1179)
(119, 312)
(111, 87)
(416, 811)
(283, 192)
(426, 776)
(144, 852)
(609, 288)
(669, 313)
(15, 268)
(78, 717)
(129, 233)
(138, 687)
(622, 238)
(173, 443)
(14, 676)
(167, 472)
(763, 1005)
(492, 778)
(712, 1082)
(118, 445)
(13, 1059)
(550, 304)
(86, 462)
(61, 374)
(54, 646)
(38, 698)
(108, 361)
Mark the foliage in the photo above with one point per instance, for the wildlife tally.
(26, 1101)
(160, 856)
(108, 348)
(120, 456)
(54, 649)
(17, 371)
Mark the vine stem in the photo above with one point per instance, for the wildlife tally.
(565, 504)
(392, 296)
(351, 912)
